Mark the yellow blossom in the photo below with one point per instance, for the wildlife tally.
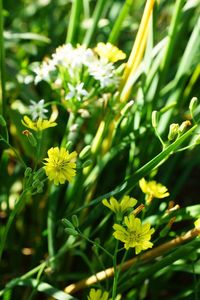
(109, 51)
(98, 295)
(152, 189)
(60, 165)
(122, 206)
(38, 125)
(135, 235)
(197, 223)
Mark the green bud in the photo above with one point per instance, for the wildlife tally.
(124, 123)
(164, 231)
(2, 121)
(85, 152)
(127, 107)
(184, 126)
(67, 223)
(32, 140)
(39, 174)
(154, 119)
(173, 131)
(28, 172)
(36, 183)
(197, 141)
(71, 231)
(193, 105)
(87, 163)
(75, 221)
(68, 145)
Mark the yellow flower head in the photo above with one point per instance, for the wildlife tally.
(98, 295)
(60, 165)
(38, 125)
(110, 52)
(122, 206)
(197, 223)
(135, 235)
(152, 189)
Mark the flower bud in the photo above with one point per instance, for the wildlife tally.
(173, 131)
(183, 126)
(67, 223)
(87, 163)
(39, 174)
(32, 140)
(193, 105)
(85, 152)
(75, 221)
(71, 231)
(28, 172)
(154, 119)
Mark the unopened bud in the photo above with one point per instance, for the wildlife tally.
(39, 174)
(173, 131)
(85, 152)
(67, 223)
(28, 172)
(71, 231)
(184, 126)
(87, 163)
(193, 105)
(127, 107)
(154, 119)
(32, 140)
(68, 145)
(75, 221)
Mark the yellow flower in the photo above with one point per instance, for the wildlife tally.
(38, 125)
(122, 206)
(152, 189)
(197, 223)
(98, 295)
(60, 165)
(109, 51)
(135, 235)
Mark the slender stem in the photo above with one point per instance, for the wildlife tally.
(15, 151)
(95, 19)
(116, 274)
(118, 23)
(73, 22)
(2, 65)
(15, 211)
(94, 243)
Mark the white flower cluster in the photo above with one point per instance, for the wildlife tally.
(73, 69)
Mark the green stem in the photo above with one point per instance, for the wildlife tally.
(2, 65)
(95, 244)
(118, 24)
(74, 21)
(95, 19)
(18, 207)
(15, 151)
(114, 289)
(51, 221)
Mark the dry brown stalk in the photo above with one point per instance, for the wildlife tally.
(72, 288)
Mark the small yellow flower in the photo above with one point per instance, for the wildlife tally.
(60, 165)
(197, 223)
(109, 51)
(98, 295)
(152, 189)
(38, 125)
(135, 235)
(122, 206)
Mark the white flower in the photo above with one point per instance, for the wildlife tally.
(43, 71)
(76, 91)
(103, 71)
(37, 110)
(63, 55)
